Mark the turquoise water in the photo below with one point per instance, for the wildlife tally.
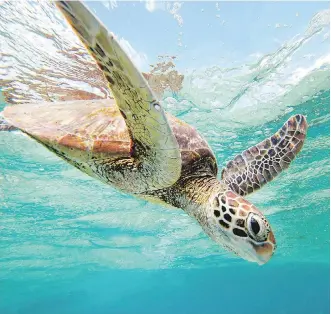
(70, 244)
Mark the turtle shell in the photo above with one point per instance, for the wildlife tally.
(85, 128)
(94, 126)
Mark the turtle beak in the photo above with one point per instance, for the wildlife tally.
(265, 250)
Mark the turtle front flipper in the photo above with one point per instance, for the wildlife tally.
(260, 164)
(156, 159)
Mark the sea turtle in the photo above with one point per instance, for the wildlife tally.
(132, 144)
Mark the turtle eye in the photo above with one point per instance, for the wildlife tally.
(257, 228)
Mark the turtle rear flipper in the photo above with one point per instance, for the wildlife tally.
(260, 164)
(156, 159)
(5, 126)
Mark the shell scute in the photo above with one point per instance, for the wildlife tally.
(73, 141)
(104, 145)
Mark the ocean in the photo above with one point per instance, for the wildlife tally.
(70, 244)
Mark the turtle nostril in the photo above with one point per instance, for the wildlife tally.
(255, 225)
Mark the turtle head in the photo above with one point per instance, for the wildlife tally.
(240, 227)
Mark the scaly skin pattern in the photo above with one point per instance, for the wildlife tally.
(261, 163)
